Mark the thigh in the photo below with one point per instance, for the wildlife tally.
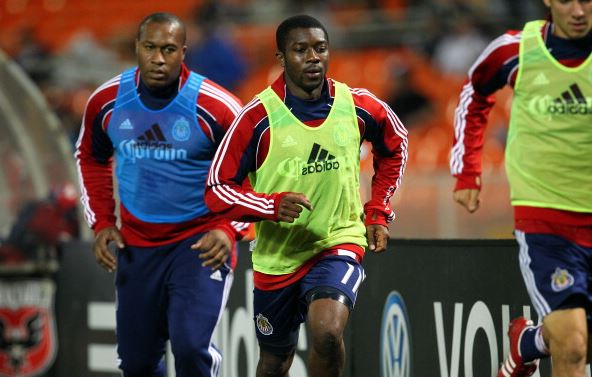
(327, 316)
(278, 315)
(197, 296)
(140, 314)
(556, 272)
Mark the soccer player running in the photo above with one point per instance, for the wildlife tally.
(160, 124)
(549, 167)
(298, 141)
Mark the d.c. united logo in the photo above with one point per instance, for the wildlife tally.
(27, 328)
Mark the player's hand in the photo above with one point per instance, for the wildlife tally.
(468, 198)
(104, 256)
(291, 205)
(215, 247)
(377, 236)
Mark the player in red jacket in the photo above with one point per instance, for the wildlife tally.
(549, 66)
(299, 143)
(157, 127)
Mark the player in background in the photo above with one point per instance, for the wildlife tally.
(159, 125)
(549, 166)
(298, 141)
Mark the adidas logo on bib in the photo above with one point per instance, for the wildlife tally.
(319, 161)
(571, 101)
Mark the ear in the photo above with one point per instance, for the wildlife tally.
(280, 57)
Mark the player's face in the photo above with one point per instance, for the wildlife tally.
(572, 18)
(160, 52)
(305, 61)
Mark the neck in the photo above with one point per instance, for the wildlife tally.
(302, 93)
(162, 92)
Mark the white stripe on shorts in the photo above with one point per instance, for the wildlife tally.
(538, 301)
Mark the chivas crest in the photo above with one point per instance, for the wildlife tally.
(561, 280)
(27, 327)
(263, 325)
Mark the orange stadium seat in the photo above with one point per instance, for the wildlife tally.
(367, 68)
(54, 27)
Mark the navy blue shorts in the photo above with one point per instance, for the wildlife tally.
(556, 272)
(279, 313)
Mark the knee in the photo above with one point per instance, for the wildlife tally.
(188, 351)
(570, 348)
(140, 368)
(271, 369)
(137, 360)
(327, 342)
(271, 365)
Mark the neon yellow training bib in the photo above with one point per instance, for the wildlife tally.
(549, 149)
(321, 162)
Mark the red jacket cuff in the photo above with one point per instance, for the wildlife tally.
(464, 182)
(100, 225)
(229, 230)
(374, 217)
(277, 199)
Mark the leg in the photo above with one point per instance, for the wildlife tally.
(141, 333)
(566, 333)
(555, 271)
(278, 315)
(330, 290)
(327, 319)
(272, 365)
(196, 302)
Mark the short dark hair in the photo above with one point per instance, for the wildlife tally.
(162, 18)
(296, 22)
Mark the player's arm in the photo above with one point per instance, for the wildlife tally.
(94, 153)
(493, 69)
(216, 112)
(226, 191)
(217, 109)
(388, 137)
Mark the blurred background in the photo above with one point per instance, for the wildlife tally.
(414, 54)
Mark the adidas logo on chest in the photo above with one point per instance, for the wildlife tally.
(319, 161)
(571, 101)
